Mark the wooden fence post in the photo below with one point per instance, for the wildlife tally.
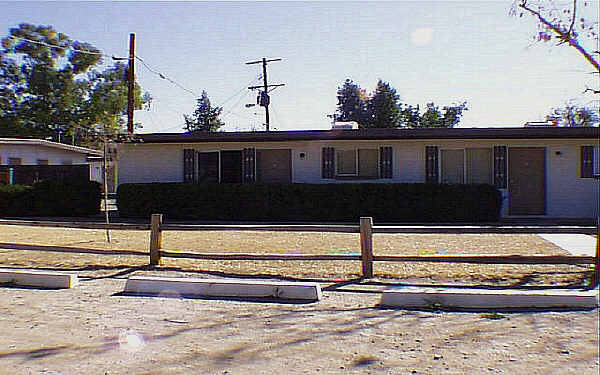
(366, 246)
(155, 239)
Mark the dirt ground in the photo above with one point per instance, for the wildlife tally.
(93, 329)
(22, 246)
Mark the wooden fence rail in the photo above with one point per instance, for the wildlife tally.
(366, 230)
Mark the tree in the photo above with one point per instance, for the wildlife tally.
(383, 108)
(352, 102)
(433, 117)
(50, 87)
(205, 117)
(453, 113)
(571, 115)
(566, 24)
(411, 117)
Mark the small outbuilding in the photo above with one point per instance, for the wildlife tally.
(24, 160)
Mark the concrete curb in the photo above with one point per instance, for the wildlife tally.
(43, 279)
(411, 297)
(169, 286)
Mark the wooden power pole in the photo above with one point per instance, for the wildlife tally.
(264, 98)
(131, 82)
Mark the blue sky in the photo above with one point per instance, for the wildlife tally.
(444, 51)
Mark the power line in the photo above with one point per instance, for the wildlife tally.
(236, 103)
(66, 47)
(277, 117)
(161, 75)
(241, 90)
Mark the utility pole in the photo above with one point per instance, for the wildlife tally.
(264, 98)
(131, 81)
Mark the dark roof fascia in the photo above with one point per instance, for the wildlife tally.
(372, 134)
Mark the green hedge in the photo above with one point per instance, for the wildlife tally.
(312, 202)
(51, 198)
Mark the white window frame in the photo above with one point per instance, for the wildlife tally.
(356, 161)
(465, 166)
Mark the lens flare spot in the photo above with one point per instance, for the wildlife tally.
(421, 36)
(130, 341)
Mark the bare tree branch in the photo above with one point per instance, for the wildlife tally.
(563, 35)
(592, 90)
(573, 18)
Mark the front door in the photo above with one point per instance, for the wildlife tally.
(526, 181)
(274, 166)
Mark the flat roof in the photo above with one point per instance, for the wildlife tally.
(373, 134)
(45, 143)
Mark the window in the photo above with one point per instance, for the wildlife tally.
(231, 166)
(368, 162)
(208, 167)
(225, 166)
(453, 166)
(15, 161)
(42, 161)
(362, 163)
(590, 161)
(458, 166)
(479, 165)
(346, 163)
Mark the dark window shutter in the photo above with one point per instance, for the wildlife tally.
(587, 161)
(188, 165)
(385, 162)
(431, 164)
(248, 165)
(500, 175)
(328, 166)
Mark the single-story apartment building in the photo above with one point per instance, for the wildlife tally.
(28, 152)
(541, 171)
(24, 151)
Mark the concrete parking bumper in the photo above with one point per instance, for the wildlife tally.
(223, 288)
(413, 297)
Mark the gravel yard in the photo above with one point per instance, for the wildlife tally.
(92, 329)
(28, 238)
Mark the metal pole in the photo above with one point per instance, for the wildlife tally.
(105, 164)
(131, 86)
(264, 61)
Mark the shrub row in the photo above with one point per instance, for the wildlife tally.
(312, 202)
(51, 198)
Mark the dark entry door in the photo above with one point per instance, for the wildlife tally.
(231, 166)
(274, 166)
(526, 181)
